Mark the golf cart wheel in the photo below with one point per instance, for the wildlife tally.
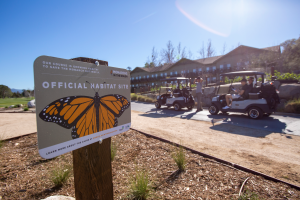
(190, 107)
(157, 104)
(177, 106)
(255, 113)
(213, 110)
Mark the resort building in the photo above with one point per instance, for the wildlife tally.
(235, 60)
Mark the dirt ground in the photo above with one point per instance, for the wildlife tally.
(25, 175)
(274, 154)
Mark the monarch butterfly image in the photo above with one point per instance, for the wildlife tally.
(84, 114)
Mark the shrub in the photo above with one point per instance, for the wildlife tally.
(60, 175)
(149, 100)
(6, 107)
(113, 150)
(179, 157)
(26, 109)
(15, 106)
(133, 97)
(141, 98)
(140, 185)
(293, 106)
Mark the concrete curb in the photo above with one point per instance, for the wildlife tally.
(236, 166)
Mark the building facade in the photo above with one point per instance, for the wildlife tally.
(236, 60)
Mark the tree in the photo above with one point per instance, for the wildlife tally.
(291, 54)
(5, 91)
(154, 57)
(202, 51)
(190, 55)
(168, 54)
(181, 53)
(129, 69)
(210, 51)
(224, 49)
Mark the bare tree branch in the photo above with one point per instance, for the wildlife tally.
(224, 49)
(190, 55)
(168, 54)
(210, 51)
(183, 53)
(154, 57)
(202, 51)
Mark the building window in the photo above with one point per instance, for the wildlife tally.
(200, 69)
(140, 77)
(152, 75)
(144, 77)
(156, 75)
(214, 79)
(221, 66)
(247, 63)
(207, 69)
(214, 68)
(228, 66)
(147, 76)
(194, 70)
(161, 74)
(183, 71)
(166, 74)
(171, 73)
(208, 80)
(152, 84)
(188, 71)
(175, 72)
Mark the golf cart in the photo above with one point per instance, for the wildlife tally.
(179, 98)
(262, 100)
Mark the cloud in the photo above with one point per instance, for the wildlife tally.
(144, 18)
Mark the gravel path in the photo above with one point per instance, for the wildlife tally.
(274, 154)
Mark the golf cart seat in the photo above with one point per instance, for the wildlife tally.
(177, 93)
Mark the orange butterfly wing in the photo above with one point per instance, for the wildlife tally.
(66, 111)
(110, 107)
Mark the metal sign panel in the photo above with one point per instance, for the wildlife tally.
(78, 103)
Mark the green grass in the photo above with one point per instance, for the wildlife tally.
(26, 109)
(179, 157)
(140, 185)
(113, 151)
(248, 195)
(14, 101)
(60, 175)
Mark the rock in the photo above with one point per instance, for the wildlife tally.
(59, 197)
(289, 91)
(12, 106)
(31, 104)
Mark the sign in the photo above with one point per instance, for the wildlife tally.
(78, 103)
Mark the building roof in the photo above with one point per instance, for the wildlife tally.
(273, 48)
(209, 60)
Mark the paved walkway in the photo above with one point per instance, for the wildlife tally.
(16, 124)
(283, 123)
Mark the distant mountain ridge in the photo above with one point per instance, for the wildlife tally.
(16, 90)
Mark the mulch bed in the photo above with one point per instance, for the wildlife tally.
(25, 175)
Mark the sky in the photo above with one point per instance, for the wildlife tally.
(124, 32)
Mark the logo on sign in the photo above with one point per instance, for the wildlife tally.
(119, 73)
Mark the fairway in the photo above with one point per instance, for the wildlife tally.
(14, 101)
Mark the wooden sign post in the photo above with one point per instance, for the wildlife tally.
(92, 167)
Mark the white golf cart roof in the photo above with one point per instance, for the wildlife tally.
(243, 73)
